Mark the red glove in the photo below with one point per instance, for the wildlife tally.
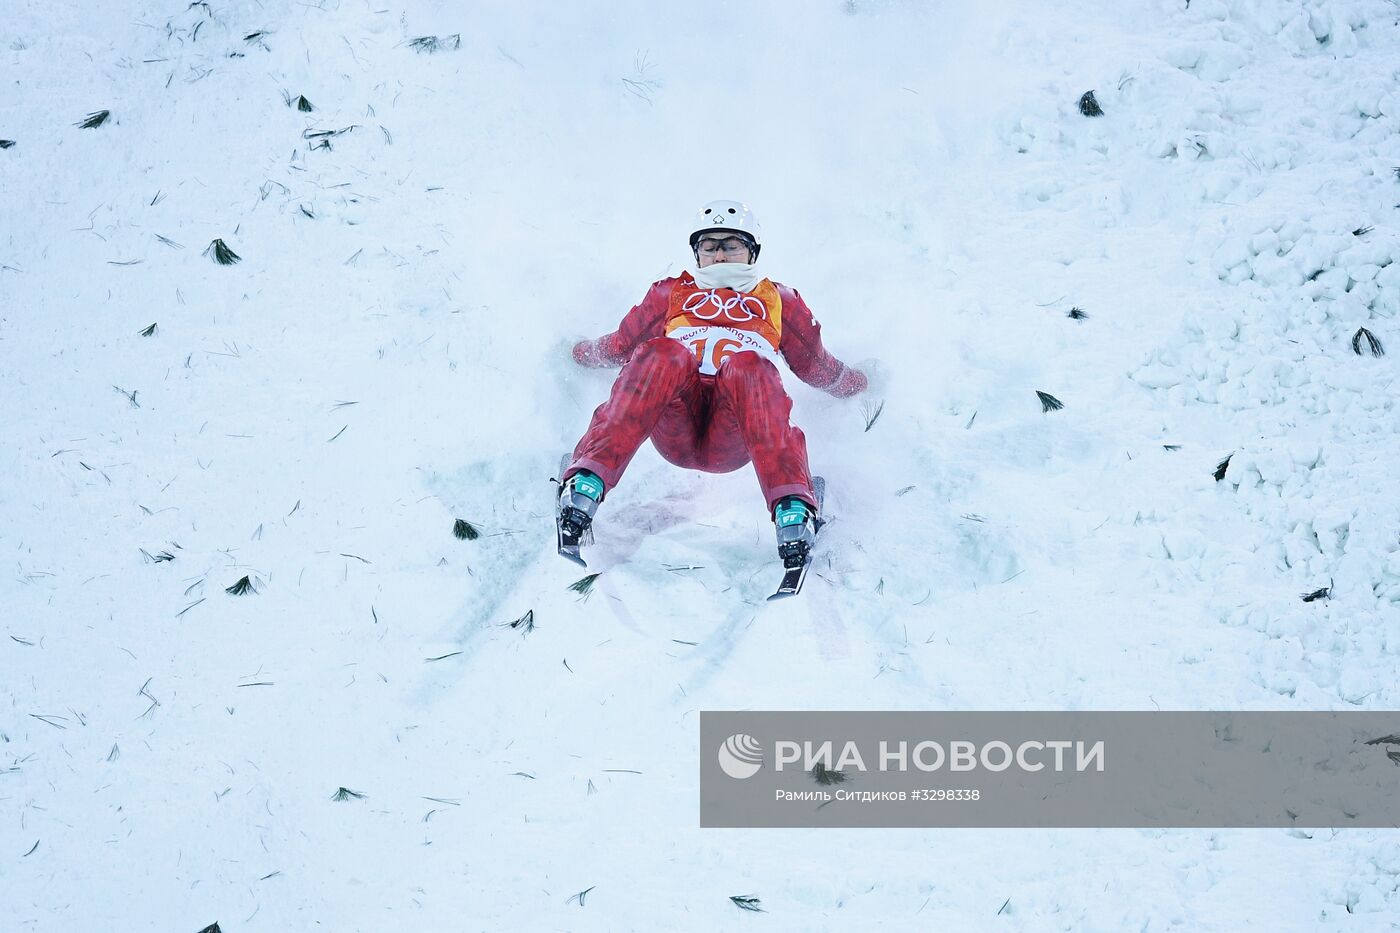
(588, 353)
(850, 382)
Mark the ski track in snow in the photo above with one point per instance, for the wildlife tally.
(390, 354)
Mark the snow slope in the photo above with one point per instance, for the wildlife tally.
(389, 356)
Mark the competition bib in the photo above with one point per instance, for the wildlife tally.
(717, 323)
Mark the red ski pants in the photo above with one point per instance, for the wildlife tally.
(711, 423)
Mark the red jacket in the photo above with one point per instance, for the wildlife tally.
(800, 341)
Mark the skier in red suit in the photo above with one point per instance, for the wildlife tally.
(699, 377)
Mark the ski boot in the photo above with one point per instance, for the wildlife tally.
(797, 531)
(797, 524)
(579, 496)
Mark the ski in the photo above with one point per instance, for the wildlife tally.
(795, 567)
(569, 547)
(573, 530)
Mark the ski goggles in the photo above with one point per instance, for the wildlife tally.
(730, 245)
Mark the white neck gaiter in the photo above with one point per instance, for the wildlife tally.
(739, 276)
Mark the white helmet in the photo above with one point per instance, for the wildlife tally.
(731, 216)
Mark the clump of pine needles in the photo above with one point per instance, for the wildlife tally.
(525, 624)
(220, 253)
(303, 104)
(871, 413)
(1372, 343)
(432, 44)
(1321, 593)
(584, 585)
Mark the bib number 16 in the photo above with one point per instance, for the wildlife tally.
(720, 351)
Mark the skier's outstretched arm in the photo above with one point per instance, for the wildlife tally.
(643, 322)
(807, 358)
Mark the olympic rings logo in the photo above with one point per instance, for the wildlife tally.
(708, 305)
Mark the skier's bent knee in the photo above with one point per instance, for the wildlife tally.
(665, 351)
(743, 364)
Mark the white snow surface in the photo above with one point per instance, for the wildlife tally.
(390, 355)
